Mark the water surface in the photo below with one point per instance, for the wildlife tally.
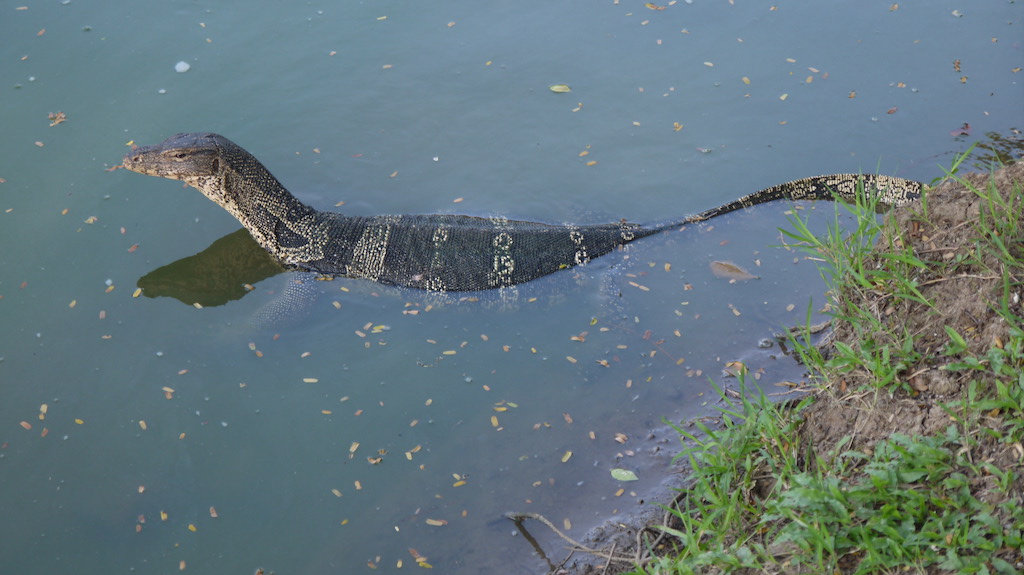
(351, 433)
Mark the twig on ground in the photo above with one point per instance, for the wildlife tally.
(519, 517)
(609, 561)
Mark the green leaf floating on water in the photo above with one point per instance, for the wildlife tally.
(560, 88)
(624, 475)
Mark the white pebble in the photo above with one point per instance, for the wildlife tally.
(181, 67)
(161, 91)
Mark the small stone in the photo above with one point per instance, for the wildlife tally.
(181, 67)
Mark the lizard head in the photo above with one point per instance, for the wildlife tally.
(224, 173)
(182, 157)
(204, 161)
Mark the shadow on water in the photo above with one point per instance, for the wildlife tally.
(214, 276)
(996, 150)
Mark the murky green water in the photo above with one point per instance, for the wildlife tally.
(395, 107)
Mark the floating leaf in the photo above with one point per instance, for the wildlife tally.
(624, 475)
(560, 88)
(731, 271)
(735, 368)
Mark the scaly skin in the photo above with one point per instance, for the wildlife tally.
(432, 252)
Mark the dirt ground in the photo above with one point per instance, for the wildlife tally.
(851, 410)
(963, 301)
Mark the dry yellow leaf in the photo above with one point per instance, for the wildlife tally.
(730, 271)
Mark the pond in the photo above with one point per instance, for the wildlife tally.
(369, 427)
